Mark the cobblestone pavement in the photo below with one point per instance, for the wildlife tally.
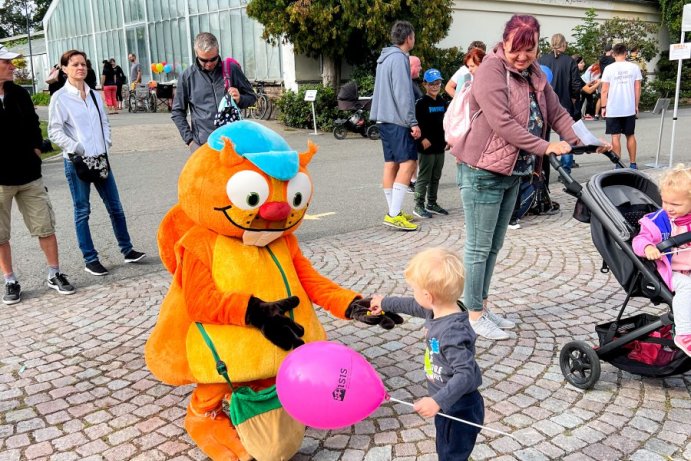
(73, 383)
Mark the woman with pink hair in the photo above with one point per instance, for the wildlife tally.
(511, 107)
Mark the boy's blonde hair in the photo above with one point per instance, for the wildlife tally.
(677, 179)
(438, 271)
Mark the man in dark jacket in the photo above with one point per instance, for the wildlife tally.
(566, 82)
(201, 89)
(20, 179)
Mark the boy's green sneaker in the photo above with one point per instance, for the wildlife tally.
(436, 209)
(399, 222)
(421, 212)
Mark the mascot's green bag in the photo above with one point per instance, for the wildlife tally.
(266, 431)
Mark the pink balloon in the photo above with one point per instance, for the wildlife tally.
(327, 385)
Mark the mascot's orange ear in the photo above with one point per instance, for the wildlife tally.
(229, 157)
(306, 157)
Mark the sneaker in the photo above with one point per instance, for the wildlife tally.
(597, 117)
(487, 329)
(134, 256)
(513, 224)
(436, 209)
(498, 320)
(399, 222)
(420, 212)
(96, 268)
(588, 117)
(575, 165)
(411, 187)
(683, 342)
(13, 293)
(60, 283)
(633, 166)
(407, 216)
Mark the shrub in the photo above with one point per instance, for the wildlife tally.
(40, 99)
(297, 113)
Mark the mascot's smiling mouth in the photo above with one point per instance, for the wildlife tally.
(225, 209)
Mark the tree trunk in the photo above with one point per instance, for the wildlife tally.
(331, 73)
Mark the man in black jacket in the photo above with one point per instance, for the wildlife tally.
(201, 89)
(20, 179)
(566, 82)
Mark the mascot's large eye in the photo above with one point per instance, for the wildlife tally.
(299, 191)
(247, 190)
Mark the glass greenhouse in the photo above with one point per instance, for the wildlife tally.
(159, 31)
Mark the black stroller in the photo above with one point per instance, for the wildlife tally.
(613, 202)
(356, 122)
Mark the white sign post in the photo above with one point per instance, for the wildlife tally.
(311, 96)
(661, 107)
(680, 50)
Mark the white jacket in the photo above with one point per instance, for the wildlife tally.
(73, 122)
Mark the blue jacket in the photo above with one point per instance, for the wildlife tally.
(393, 100)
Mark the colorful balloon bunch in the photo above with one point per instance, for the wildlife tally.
(162, 67)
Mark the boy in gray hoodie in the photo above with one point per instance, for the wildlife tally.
(453, 375)
(393, 107)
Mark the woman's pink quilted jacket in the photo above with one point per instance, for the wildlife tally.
(500, 116)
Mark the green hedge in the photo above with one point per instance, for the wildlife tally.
(40, 99)
(297, 113)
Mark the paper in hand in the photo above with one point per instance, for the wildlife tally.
(586, 137)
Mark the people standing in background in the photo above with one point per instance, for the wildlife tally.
(55, 86)
(415, 68)
(463, 74)
(90, 79)
(109, 87)
(135, 70)
(120, 80)
(591, 91)
(21, 181)
(606, 59)
(566, 82)
(431, 146)
(78, 124)
(393, 108)
(621, 93)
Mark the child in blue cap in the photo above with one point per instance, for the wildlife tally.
(429, 111)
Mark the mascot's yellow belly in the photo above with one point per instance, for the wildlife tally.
(247, 354)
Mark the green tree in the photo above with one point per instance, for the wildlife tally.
(13, 16)
(634, 33)
(354, 30)
(665, 84)
(586, 36)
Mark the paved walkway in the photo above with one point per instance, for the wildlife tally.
(73, 383)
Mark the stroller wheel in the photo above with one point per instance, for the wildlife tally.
(373, 132)
(580, 364)
(340, 132)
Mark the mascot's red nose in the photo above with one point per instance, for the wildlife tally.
(274, 211)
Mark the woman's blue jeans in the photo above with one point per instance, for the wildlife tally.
(108, 191)
(488, 202)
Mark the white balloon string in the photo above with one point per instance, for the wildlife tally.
(458, 419)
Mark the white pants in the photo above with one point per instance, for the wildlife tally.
(681, 306)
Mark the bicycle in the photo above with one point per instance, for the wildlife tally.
(262, 108)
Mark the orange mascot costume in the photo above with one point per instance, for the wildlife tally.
(237, 270)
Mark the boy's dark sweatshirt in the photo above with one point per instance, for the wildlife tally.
(451, 370)
(430, 118)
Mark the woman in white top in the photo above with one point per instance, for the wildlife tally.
(77, 123)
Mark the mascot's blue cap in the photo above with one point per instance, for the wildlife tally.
(265, 148)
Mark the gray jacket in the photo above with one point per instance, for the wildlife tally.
(393, 100)
(201, 92)
(450, 365)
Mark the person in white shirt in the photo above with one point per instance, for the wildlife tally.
(78, 124)
(621, 92)
(463, 74)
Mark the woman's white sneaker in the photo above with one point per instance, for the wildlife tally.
(498, 320)
(487, 329)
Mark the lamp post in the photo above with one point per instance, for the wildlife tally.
(31, 55)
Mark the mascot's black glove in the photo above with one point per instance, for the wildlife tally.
(275, 326)
(359, 310)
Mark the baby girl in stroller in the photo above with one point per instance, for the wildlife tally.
(675, 266)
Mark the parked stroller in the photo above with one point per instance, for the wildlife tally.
(356, 122)
(613, 202)
(142, 99)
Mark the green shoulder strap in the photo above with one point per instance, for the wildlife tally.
(221, 367)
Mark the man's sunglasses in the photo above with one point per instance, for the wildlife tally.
(204, 61)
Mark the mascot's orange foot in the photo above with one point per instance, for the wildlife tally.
(215, 436)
